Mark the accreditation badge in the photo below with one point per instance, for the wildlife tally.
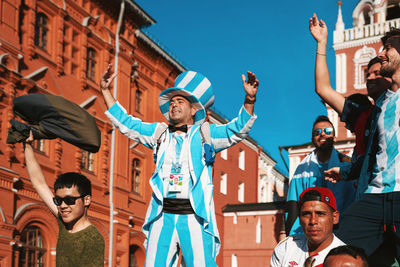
(175, 182)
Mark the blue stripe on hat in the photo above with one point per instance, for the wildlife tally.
(164, 107)
(181, 77)
(204, 99)
(194, 82)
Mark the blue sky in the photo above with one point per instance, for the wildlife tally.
(223, 39)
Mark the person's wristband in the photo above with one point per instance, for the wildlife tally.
(321, 54)
(104, 88)
(250, 99)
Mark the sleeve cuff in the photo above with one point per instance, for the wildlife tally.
(344, 171)
(246, 114)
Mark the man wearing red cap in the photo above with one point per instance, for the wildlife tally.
(318, 214)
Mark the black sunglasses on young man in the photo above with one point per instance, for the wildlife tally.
(68, 200)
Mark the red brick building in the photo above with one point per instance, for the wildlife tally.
(248, 201)
(252, 232)
(61, 47)
(236, 178)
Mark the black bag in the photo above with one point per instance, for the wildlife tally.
(51, 116)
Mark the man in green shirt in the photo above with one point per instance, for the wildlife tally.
(79, 242)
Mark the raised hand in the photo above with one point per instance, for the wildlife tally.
(333, 175)
(318, 29)
(105, 81)
(107, 78)
(251, 85)
(30, 139)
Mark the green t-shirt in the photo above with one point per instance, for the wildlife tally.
(83, 248)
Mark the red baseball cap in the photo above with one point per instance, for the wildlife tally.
(319, 194)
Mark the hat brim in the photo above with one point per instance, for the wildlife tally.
(166, 96)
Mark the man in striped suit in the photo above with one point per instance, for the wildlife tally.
(181, 212)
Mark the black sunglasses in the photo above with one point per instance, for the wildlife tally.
(318, 131)
(68, 200)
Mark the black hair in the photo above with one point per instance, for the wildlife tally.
(393, 32)
(348, 250)
(69, 179)
(374, 61)
(321, 118)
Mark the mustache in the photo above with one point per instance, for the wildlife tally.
(329, 138)
(327, 145)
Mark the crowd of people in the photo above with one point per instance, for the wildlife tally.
(333, 201)
(341, 211)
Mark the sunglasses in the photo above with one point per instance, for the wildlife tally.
(68, 200)
(327, 131)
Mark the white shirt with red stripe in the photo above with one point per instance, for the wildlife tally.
(293, 252)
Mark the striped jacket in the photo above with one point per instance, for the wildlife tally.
(201, 195)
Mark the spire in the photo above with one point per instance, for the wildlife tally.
(339, 22)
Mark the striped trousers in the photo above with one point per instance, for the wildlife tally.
(174, 232)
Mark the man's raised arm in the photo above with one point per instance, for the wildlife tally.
(37, 178)
(250, 87)
(323, 87)
(105, 81)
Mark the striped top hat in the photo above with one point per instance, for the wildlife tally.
(194, 87)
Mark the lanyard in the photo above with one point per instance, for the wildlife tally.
(176, 160)
(177, 163)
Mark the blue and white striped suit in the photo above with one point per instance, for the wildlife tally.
(201, 194)
(386, 173)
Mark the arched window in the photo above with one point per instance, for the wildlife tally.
(38, 145)
(234, 262)
(258, 231)
(361, 59)
(132, 257)
(241, 159)
(262, 189)
(392, 10)
(365, 16)
(241, 192)
(136, 176)
(138, 100)
(41, 29)
(32, 250)
(91, 64)
(223, 183)
(87, 160)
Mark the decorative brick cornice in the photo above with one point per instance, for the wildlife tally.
(359, 36)
(357, 43)
(155, 47)
(104, 164)
(58, 156)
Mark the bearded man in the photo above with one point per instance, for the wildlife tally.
(310, 172)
